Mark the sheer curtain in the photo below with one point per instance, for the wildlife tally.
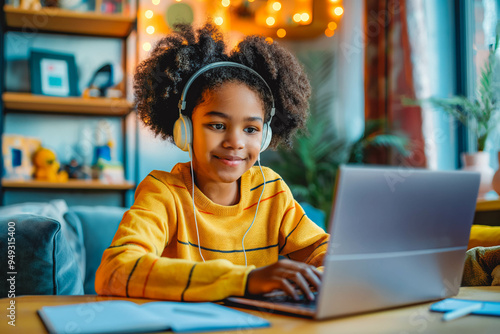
(410, 52)
(431, 29)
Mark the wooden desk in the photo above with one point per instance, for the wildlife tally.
(406, 320)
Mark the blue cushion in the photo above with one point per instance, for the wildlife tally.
(99, 225)
(71, 227)
(44, 261)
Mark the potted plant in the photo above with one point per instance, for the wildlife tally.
(480, 116)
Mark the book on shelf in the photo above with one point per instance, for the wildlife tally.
(112, 7)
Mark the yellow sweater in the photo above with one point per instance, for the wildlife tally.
(154, 253)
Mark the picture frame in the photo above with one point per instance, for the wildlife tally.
(53, 74)
(17, 153)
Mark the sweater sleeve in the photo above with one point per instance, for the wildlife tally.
(300, 238)
(133, 267)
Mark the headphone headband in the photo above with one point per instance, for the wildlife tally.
(182, 101)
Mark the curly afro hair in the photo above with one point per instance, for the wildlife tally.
(160, 79)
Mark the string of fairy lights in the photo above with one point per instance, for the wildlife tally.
(276, 16)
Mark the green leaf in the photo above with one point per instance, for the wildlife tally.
(477, 115)
(399, 143)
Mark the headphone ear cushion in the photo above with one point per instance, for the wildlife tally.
(267, 134)
(183, 133)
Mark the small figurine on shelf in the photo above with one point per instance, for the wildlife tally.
(76, 170)
(104, 82)
(75, 5)
(112, 6)
(103, 141)
(31, 4)
(109, 171)
(50, 3)
(47, 166)
(106, 168)
(76, 167)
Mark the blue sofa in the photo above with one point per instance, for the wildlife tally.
(57, 249)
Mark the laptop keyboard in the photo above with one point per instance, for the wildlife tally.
(282, 298)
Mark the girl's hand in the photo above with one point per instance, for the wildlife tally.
(286, 275)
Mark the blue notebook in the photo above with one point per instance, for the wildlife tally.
(120, 316)
(451, 304)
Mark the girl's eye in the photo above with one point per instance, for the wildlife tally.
(218, 126)
(251, 130)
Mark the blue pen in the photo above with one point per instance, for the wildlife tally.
(461, 312)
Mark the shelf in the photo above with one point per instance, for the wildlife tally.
(65, 21)
(71, 184)
(69, 105)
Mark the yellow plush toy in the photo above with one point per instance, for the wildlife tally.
(47, 166)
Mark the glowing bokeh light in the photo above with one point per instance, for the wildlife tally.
(226, 3)
(276, 6)
(338, 11)
(304, 17)
(218, 20)
(270, 21)
(332, 25)
(156, 2)
(281, 33)
(150, 30)
(149, 14)
(329, 33)
(269, 40)
(146, 46)
(297, 18)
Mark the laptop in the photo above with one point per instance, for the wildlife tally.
(398, 237)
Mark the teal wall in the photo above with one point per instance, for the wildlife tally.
(155, 153)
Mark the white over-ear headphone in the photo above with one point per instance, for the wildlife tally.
(183, 128)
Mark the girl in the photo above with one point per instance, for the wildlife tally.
(215, 226)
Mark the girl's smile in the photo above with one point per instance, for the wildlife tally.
(230, 160)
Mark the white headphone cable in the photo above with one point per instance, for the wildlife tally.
(194, 208)
(256, 210)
